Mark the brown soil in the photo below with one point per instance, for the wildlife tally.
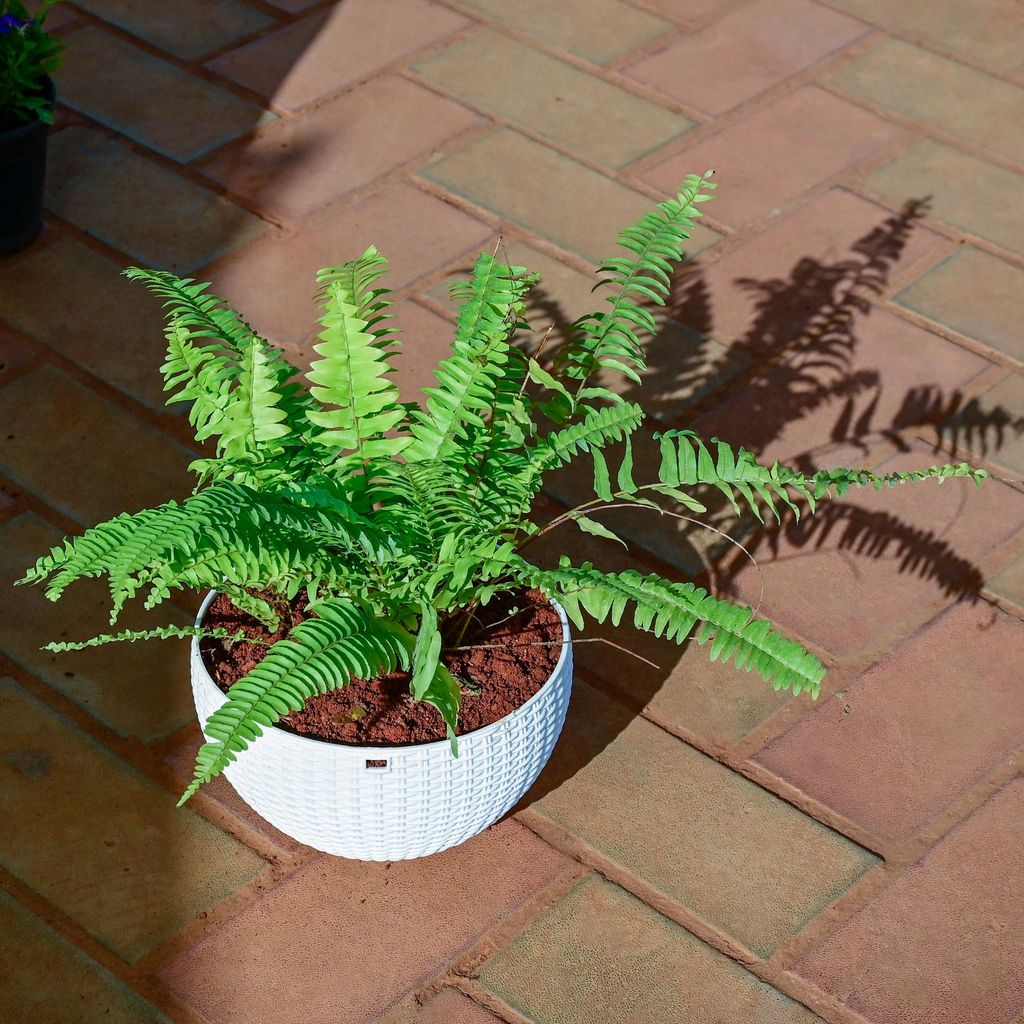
(517, 660)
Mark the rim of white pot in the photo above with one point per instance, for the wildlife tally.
(384, 751)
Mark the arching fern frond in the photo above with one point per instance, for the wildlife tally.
(132, 636)
(469, 382)
(200, 375)
(599, 427)
(343, 640)
(191, 307)
(672, 610)
(226, 530)
(510, 485)
(609, 340)
(686, 461)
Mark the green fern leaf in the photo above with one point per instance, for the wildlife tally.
(352, 374)
(469, 381)
(356, 279)
(345, 639)
(426, 655)
(609, 340)
(686, 461)
(444, 694)
(672, 610)
(253, 419)
(190, 307)
(133, 635)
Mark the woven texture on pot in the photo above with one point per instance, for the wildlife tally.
(422, 801)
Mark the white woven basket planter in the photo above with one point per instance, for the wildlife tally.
(421, 802)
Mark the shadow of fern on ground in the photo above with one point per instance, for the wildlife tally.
(802, 346)
(797, 358)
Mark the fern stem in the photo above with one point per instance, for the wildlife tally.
(596, 505)
(553, 643)
(470, 615)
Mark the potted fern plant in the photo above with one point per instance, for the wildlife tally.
(28, 56)
(379, 669)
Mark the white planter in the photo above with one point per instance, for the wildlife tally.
(423, 801)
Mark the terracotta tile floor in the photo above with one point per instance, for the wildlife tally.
(700, 849)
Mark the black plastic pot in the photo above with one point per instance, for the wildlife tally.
(22, 170)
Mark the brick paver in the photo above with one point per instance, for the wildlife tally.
(940, 92)
(110, 845)
(1010, 582)
(885, 374)
(918, 729)
(188, 28)
(552, 98)
(454, 1008)
(629, 963)
(92, 317)
(975, 293)
(701, 847)
(988, 32)
(963, 191)
(763, 44)
(779, 152)
(326, 51)
(684, 824)
(388, 928)
(139, 207)
(40, 969)
(148, 100)
(297, 166)
(773, 290)
(994, 424)
(596, 30)
(545, 192)
(136, 694)
(86, 480)
(940, 945)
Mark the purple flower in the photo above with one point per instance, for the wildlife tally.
(8, 23)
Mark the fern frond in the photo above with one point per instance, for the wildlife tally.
(423, 502)
(599, 427)
(356, 278)
(253, 418)
(241, 389)
(686, 461)
(507, 488)
(200, 375)
(226, 530)
(133, 635)
(191, 307)
(608, 340)
(469, 381)
(352, 375)
(320, 654)
(672, 610)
